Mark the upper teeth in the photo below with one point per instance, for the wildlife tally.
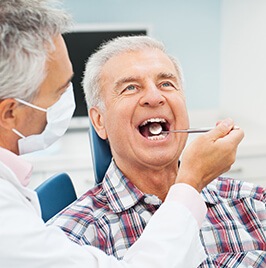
(153, 120)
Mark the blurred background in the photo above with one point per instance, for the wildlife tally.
(221, 45)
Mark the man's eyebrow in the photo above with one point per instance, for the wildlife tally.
(162, 75)
(168, 75)
(125, 80)
(67, 82)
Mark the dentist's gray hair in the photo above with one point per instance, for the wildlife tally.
(91, 80)
(27, 30)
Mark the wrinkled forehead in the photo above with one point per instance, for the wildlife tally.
(138, 62)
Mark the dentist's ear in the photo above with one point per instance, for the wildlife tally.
(8, 113)
(97, 121)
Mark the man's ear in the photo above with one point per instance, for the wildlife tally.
(8, 113)
(97, 121)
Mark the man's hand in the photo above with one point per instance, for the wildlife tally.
(210, 155)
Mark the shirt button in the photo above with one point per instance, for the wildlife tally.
(153, 200)
(147, 200)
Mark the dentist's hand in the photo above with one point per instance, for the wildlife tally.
(210, 155)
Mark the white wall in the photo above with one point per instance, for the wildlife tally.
(243, 82)
(243, 65)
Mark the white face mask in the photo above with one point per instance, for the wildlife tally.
(58, 117)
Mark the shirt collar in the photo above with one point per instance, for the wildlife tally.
(120, 192)
(21, 168)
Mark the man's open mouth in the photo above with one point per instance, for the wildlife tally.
(153, 128)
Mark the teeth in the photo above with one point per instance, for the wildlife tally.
(159, 137)
(153, 120)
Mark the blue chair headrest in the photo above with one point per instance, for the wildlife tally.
(54, 194)
(101, 154)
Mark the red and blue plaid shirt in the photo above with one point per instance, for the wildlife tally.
(112, 216)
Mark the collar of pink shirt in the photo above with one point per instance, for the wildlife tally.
(17, 164)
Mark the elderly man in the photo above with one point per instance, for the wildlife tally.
(36, 105)
(135, 96)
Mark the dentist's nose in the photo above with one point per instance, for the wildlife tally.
(152, 96)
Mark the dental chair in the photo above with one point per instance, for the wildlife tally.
(101, 154)
(55, 194)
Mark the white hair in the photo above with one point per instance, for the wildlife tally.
(27, 29)
(91, 80)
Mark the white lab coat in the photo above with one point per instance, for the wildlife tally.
(171, 238)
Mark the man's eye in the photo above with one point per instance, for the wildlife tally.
(167, 84)
(130, 87)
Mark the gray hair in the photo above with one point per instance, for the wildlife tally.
(91, 80)
(27, 29)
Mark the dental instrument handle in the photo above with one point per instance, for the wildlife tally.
(193, 130)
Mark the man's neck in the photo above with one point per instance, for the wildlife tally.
(153, 181)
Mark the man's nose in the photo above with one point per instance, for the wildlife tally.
(152, 96)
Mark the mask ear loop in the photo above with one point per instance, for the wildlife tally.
(18, 133)
(31, 105)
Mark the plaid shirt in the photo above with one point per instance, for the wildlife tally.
(113, 215)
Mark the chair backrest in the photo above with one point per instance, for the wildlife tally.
(55, 194)
(101, 154)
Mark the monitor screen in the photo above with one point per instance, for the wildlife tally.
(81, 43)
